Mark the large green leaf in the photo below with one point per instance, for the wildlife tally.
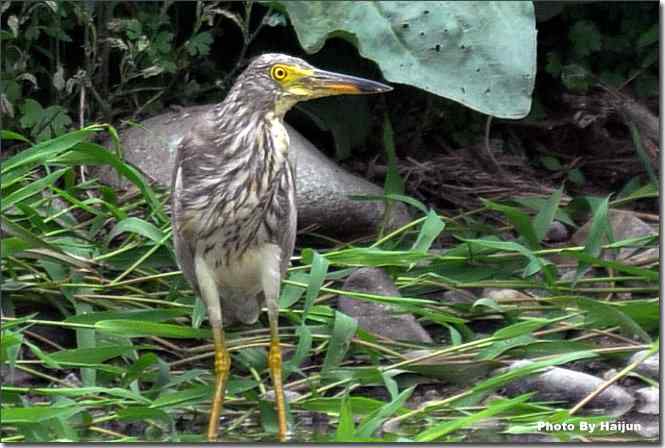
(481, 54)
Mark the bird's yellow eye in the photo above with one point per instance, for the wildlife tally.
(278, 72)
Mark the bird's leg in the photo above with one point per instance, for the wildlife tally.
(275, 365)
(210, 295)
(270, 281)
(222, 367)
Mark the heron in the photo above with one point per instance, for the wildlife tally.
(233, 204)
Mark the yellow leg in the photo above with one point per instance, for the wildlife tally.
(275, 364)
(222, 366)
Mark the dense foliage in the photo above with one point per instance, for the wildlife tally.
(101, 335)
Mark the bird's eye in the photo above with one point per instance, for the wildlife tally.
(278, 72)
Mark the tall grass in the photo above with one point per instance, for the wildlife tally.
(132, 361)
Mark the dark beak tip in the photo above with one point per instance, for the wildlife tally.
(380, 88)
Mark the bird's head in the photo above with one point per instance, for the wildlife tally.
(285, 80)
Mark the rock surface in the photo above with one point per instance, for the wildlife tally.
(649, 425)
(649, 367)
(560, 384)
(458, 297)
(557, 232)
(376, 317)
(648, 400)
(625, 225)
(289, 395)
(323, 187)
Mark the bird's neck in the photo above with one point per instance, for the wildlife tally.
(254, 144)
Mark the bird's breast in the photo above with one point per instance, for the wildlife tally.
(233, 201)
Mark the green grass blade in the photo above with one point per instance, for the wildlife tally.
(545, 216)
(344, 328)
(445, 428)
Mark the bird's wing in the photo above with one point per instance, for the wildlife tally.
(181, 240)
(289, 226)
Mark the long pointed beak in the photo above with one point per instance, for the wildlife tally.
(330, 83)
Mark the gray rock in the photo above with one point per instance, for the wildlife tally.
(625, 225)
(289, 395)
(644, 425)
(560, 384)
(459, 296)
(14, 377)
(500, 295)
(73, 380)
(609, 374)
(649, 367)
(323, 187)
(379, 318)
(648, 400)
(557, 233)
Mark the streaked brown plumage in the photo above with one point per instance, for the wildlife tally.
(233, 201)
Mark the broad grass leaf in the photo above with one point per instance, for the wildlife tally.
(48, 149)
(149, 315)
(500, 347)
(31, 189)
(304, 336)
(11, 135)
(43, 356)
(344, 328)
(599, 228)
(649, 190)
(190, 396)
(588, 260)
(511, 246)
(360, 405)
(547, 348)
(8, 340)
(138, 226)
(140, 365)
(373, 422)
(602, 315)
(520, 220)
(453, 372)
(538, 203)
(520, 328)
(434, 315)
(290, 294)
(345, 427)
(93, 355)
(139, 328)
(36, 414)
(12, 246)
(364, 257)
(88, 391)
(47, 249)
(529, 369)
(391, 384)
(645, 313)
(544, 218)
(317, 276)
(447, 427)
(142, 413)
(429, 232)
(94, 154)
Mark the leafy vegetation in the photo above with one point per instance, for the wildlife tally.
(104, 266)
(102, 339)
